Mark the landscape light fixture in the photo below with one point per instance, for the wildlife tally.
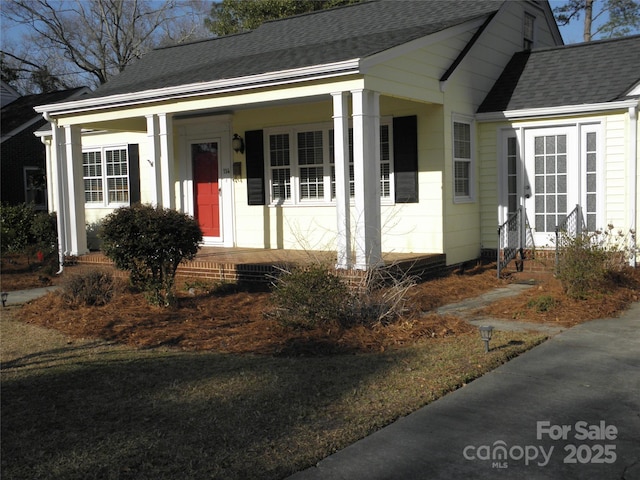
(485, 333)
(4, 296)
(237, 143)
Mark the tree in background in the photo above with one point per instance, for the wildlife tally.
(85, 42)
(623, 17)
(234, 16)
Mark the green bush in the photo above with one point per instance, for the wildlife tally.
(94, 288)
(589, 261)
(309, 296)
(26, 230)
(150, 243)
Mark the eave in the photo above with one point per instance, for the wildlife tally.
(231, 85)
(560, 111)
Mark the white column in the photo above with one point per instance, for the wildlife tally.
(341, 159)
(153, 145)
(166, 161)
(77, 240)
(58, 185)
(366, 152)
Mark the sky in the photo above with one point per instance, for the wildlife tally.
(571, 33)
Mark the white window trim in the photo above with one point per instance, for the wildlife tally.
(455, 118)
(294, 165)
(105, 184)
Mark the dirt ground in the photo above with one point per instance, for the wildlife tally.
(237, 320)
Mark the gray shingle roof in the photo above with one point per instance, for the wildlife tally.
(21, 110)
(327, 36)
(585, 73)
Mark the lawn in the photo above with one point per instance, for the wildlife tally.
(215, 389)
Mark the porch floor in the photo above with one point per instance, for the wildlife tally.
(255, 264)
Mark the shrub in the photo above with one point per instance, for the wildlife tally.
(23, 227)
(379, 299)
(589, 261)
(310, 295)
(543, 303)
(94, 288)
(150, 243)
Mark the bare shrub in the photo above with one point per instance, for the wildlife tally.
(94, 288)
(315, 295)
(588, 262)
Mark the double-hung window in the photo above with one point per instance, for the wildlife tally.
(311, 164)
(462, 160)
(302, 166)
(106, 176)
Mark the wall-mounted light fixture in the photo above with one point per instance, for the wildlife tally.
(237, 143)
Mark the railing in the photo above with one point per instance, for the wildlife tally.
(510, 240)
(572, 226)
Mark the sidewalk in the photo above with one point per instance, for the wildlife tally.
(567, 409)
(18, 297)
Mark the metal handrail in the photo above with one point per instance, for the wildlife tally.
(573, 224)
(506, 232)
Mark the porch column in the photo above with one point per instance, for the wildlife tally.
(167, 193)
(77, 239)
(153, 144)
(57, 183)
(366, 153)
(341, 160)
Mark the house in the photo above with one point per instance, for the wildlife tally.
(559, 130)
(22, 155)
(352, 130)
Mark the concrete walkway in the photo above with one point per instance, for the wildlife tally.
(465, 309)
(18, 297)
(567, 409)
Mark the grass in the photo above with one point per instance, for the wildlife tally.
(89, 409)
(214, 389)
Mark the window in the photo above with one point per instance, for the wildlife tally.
(280, 167)
(35, 187)
(302, 167)
(591, 180)
(512, 176)
(462, 159)
(310, 159)
(528, 31)
(550, 177)
(106, 167)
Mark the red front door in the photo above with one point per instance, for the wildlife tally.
(205, 184)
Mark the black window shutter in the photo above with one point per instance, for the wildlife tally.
(405, 158)
(254, 147)
(133, 152)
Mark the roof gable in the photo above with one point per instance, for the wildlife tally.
(578, 74)
(323, 37)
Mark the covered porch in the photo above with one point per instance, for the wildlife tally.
(259, 265)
